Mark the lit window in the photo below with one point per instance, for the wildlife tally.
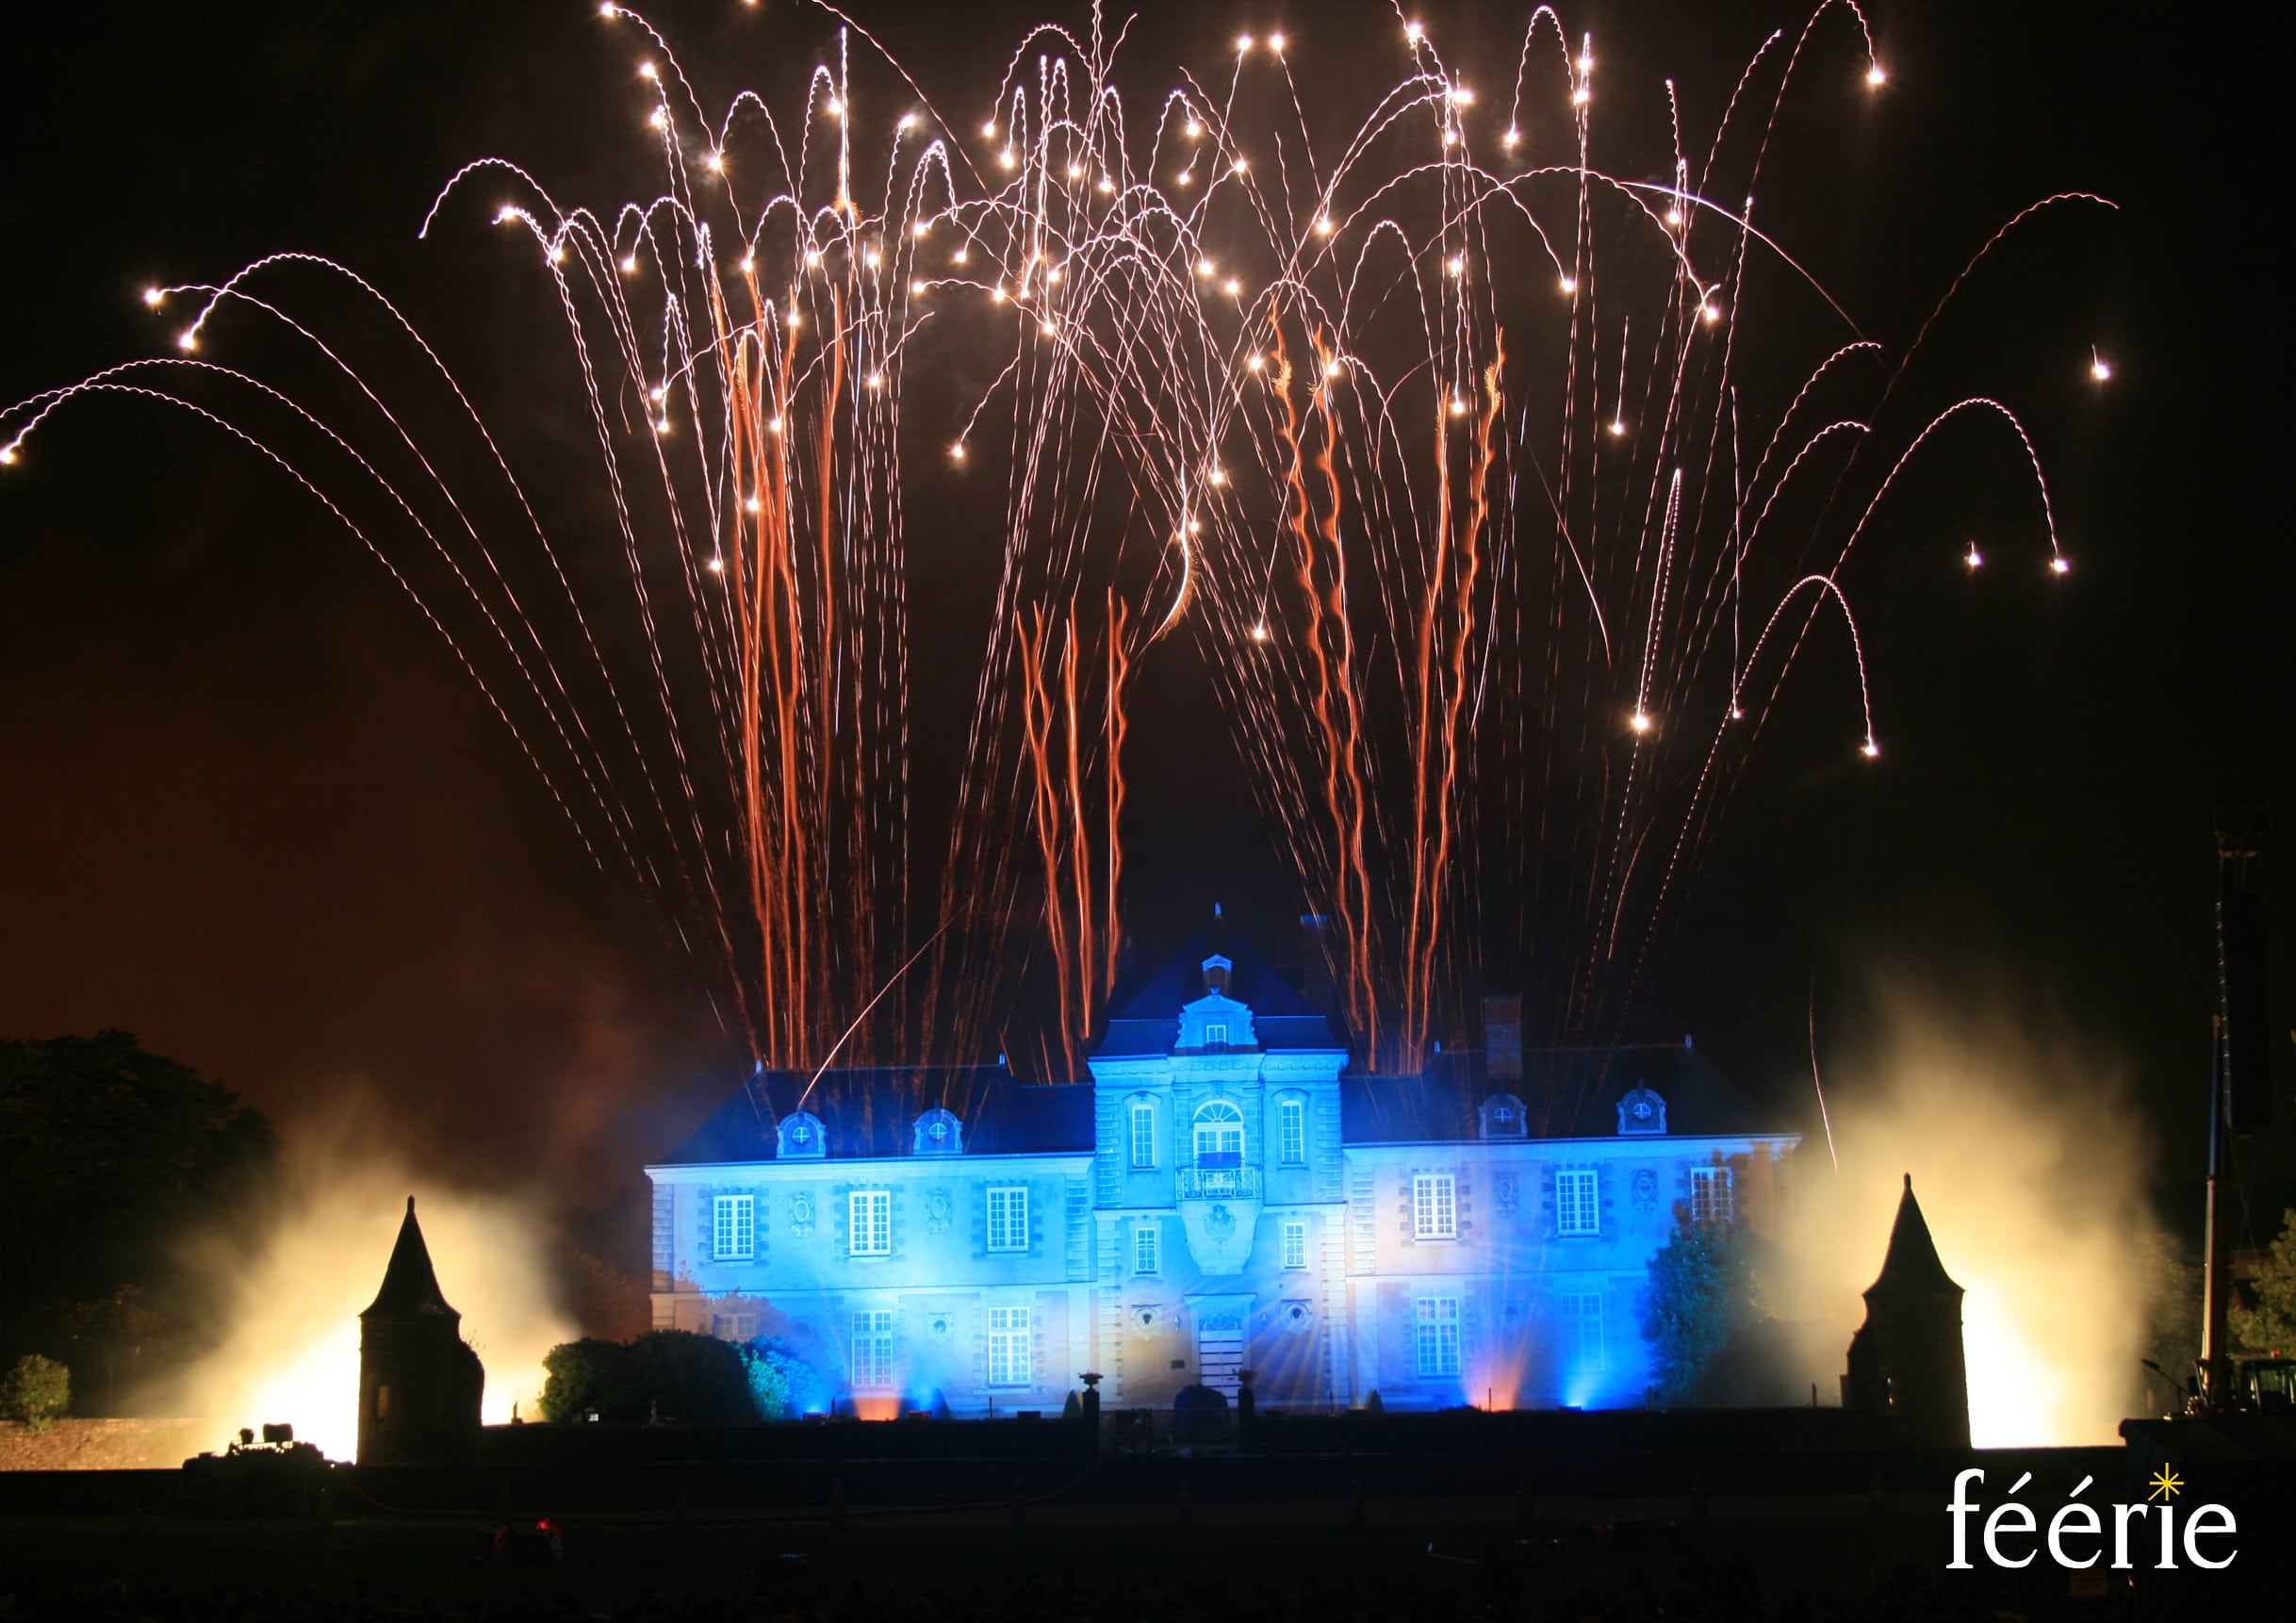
(1575, 1211)
(872, 1214)
(1216, 1034)
(1011, 1359)
(1582, 1330)
(1143, 1136)
(1712, 1199)
(1147, 1249)
(1435, 1207)
(1295, 1244)
(873, 1350)
(733, 1326)
(1009, 1220)
(734, 1227)
(1439, 1335)
(1219, 1135)
(1291, 1125)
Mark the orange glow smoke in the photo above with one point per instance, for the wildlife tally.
(2031, 1168)
(291, 1347)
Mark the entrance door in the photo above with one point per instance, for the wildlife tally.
(1220, 1347)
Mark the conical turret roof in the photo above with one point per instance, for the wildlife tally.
(410, 1284)
(1913, 1265)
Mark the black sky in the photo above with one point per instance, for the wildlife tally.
(251, 810)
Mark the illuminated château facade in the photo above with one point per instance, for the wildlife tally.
(1225, 1195)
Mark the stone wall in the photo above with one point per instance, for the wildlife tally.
(106, 1445)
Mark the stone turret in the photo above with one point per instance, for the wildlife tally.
(1906, 1362)
(420, 1382)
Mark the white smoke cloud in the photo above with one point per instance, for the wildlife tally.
(2030, 1164)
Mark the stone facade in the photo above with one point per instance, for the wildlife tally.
(1223, 1195)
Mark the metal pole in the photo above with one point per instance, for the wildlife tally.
(2216, 1299)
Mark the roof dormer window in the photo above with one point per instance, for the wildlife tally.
(1216, 971)
(801, 1136)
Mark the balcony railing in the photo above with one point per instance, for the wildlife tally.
(1219, 1183)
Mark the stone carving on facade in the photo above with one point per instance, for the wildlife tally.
(801, 1214)
(937, 1210)
(1503, 1189)
(1646, 1191)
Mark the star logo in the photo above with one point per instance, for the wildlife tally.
(2167, 1484)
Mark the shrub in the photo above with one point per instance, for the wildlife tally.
(681, 1376)
(782, 1384)
(665, 1374)
(36, 1391)
(583, 1375)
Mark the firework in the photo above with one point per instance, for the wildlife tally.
(1450, 449)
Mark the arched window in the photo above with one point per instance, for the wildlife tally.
(1219, 1135)
(801, 1136)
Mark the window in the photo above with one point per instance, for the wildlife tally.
(1583, 1331)
(1219, 1135)
(734, 1227)
(1291, 1131)
(1143, 1136)
(873, 1350)
(872, 1214)
(1011, 1359)
(801, 1136)
(1147, 1248)
(1439, 1339)
(1435, 1207)
(1712, 1197)
(733, 1326)
(1216, 1034)
(1009, 1220)
(1295, 1243)
(1575, 1209)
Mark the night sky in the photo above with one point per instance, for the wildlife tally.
(251, 810)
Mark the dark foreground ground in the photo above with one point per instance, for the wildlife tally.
(1840, 1557)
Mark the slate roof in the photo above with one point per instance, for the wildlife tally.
(1911, 1267)
(867, 1111)
(410, 1284)
(1149, 1021)
(1567, 1093)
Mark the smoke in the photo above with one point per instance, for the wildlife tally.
(2031, 1165)
(288, 1305)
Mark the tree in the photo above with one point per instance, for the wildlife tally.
(35, 1392)
(2271, 1325)
(1703, 1286)
(111, 1333)
(108, 1156)
(662, 1374)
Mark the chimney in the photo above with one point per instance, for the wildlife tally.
(1316, 982)
(1502, 1040)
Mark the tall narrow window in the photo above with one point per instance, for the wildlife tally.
(1147, 1248)
(1215, 1034)
(1576, 1210)
(1439, 1336)
(872, 1214)
(1291, 1130)
(1295, 1243)
(734, 1227)
(873, 1350)
(1011, 1359)
(1009, 1220)
(1582, 1330)
(1143, 1136)
(1434, 1206)
(1712, 1197)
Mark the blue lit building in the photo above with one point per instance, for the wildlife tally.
(1223, 1195)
